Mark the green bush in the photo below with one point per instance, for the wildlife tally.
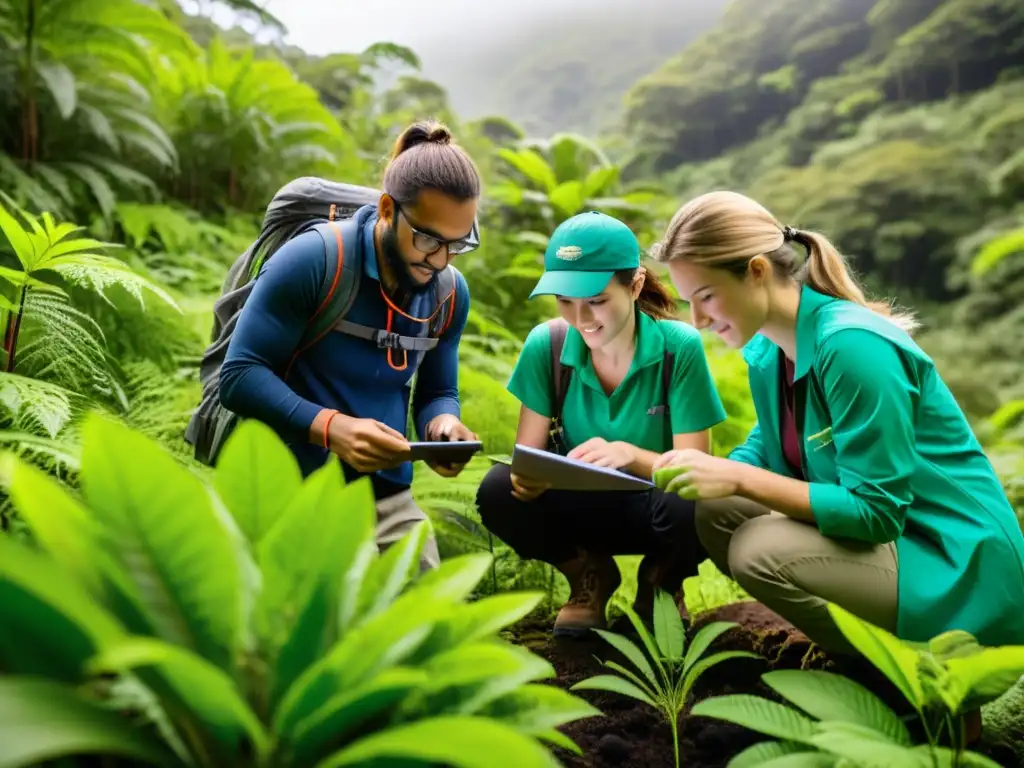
(250, 621)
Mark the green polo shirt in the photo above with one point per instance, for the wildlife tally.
(622, 416)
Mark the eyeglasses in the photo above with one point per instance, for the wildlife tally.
(429, 244)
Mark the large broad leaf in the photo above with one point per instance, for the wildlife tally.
(567, 197)
(257, 477)
(470, 676)
(48, 624)
(164, 533)
(41, 720)
(535, 708)
(894, 658)
(866, 747)
(476, 620)
(984, 676)
(390, 574)
(200, 691)
(532, 165)
(759, 715)
(460, 742)
(827, 696)
(770, 752)
(304, 558)
(58, 521)
(347, 710)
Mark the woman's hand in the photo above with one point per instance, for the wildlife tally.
(601, 453)
(697, 475)
(525, 489)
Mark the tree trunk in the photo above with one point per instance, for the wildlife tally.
(13, 327)
(29, 124)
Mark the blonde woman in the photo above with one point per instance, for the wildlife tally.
(861, 483)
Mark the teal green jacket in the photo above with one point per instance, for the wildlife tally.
(889, 456)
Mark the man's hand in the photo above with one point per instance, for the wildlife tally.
(525, 489)
(447, 427)
(366, 445)
(601, 453)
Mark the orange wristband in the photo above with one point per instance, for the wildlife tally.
(327, 427)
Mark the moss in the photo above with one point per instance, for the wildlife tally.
(1003, 722)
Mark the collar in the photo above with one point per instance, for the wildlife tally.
(762, 352)
(650, 349)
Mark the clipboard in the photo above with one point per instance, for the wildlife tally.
(566, 474)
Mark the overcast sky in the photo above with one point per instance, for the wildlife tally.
(326, 26)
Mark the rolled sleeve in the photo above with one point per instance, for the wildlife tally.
(870, 393)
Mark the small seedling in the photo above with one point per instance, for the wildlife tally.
(665, 685)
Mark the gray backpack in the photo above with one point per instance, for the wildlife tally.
(326, 207)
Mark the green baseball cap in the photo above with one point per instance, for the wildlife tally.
(583, 254)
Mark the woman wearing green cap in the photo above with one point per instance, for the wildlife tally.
(639, 386)
(861, 483)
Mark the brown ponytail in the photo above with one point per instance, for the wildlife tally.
(425, 157)
(725, 230)
(654, 298)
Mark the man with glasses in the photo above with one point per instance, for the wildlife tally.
(349, 393)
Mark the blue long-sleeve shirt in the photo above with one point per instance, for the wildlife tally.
(342, 372)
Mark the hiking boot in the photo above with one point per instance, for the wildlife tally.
(657, 573)
(593, 579)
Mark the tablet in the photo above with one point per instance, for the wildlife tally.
(445, 452)
(572, 474)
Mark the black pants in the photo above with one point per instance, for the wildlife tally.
(552, 526)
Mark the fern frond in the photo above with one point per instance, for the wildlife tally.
(34, 405)
(63, 345)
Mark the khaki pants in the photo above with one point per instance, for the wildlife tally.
(396, 516)
(793, 569)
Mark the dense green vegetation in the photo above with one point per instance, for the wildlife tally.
(141, 145)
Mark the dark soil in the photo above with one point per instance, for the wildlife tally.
(631, 733)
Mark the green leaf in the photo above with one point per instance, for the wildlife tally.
(390, 573)
(48, 624)
(18, 237)
(1005, 245)
(163, 532)
(559, 739)
(703, 640)
(474, 621)
(692, 674)
(567, 197)
(668, 626)
(984, 676)
(256, 477)
(61, 83)
(460, 742)
(342, 713)
(456, 577)
(762, 753)
(199, 688)
(535, 709)
(866, 747)
(636, 657)
(614, 685)
(599, 181)
(759, 715)
(41, 721)
(532, 165)
(296, 613)
(894, 658)
(58, 521)
(807, 760)
(645, 637)
(828, 696)
(482, 672)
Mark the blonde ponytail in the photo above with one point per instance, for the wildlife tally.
(725, 230)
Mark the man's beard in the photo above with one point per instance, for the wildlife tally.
(399, 268)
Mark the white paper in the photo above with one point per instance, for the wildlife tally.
(571, 474)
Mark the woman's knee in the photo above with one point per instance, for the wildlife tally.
(495, 491)
(760, 548)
